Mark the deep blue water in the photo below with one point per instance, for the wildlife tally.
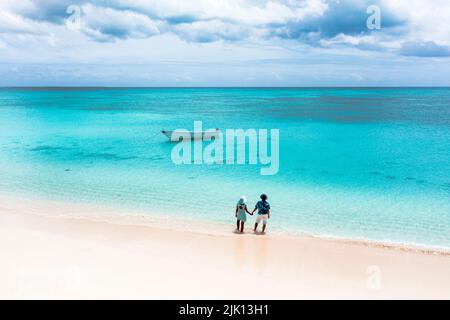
(370, 163)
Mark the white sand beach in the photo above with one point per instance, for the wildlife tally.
(46, 255)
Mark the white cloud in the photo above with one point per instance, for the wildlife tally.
(194, 19)
(210, 30)
(427, 20)
(322, 23)
(106, 24)
(242, 11)
(14, 23)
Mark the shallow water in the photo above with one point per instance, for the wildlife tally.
(355, 163)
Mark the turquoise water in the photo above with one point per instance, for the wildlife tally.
(355, 163)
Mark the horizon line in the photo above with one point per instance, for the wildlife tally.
(217, 87)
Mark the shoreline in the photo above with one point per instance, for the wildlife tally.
(49, 255)
(122, 216)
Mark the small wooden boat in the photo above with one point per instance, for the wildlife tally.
(194, 135)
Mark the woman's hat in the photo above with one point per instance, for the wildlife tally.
(243, 200)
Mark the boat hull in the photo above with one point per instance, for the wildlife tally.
(194, 136)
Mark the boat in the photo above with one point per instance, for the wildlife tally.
(194, 135)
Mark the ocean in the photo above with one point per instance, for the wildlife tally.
(367, 164)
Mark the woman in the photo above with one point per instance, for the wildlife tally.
(241, 213)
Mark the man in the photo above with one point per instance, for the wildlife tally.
(263, 212)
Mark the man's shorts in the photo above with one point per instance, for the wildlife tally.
(263, 217)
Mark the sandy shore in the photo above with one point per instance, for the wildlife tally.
(45, 256)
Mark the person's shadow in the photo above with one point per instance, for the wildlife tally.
(259, 233)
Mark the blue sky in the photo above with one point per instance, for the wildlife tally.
(223, 43)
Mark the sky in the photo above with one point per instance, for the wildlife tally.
(224, 43)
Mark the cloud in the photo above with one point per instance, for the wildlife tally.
(53, 11)
(424, 49)
(339, 17)
(106, 24)
(406, 25)
(13, 23)
(209, 31)
(203, 20)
